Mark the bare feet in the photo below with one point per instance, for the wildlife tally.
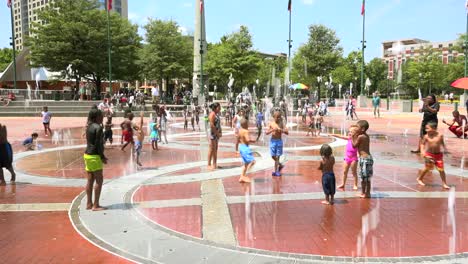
(98, 208)
(325, 202)
(355, 187)
(2, 183)
(341, 187)
(361, 195)
(421, 182)
(446, 187)
(139, 164)
(89, 207)
(244, 179)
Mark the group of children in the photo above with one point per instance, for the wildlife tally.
(357, 156)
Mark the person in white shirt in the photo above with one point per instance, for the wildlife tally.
(130, 101)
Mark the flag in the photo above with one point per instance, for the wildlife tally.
(290, 4)
(9, 3)
(363, 9)
(109, 4)
(466, 5)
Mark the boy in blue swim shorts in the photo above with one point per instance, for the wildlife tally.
(276, 128)
(245, 151)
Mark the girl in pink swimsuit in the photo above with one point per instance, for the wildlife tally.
(351, 159)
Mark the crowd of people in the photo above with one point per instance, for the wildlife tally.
(237, 115)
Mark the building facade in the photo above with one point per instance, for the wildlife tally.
(395, 53)
(25, 13)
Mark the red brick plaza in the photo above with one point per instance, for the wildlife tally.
(173, 210)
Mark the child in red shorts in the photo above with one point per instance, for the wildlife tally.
(431, 145)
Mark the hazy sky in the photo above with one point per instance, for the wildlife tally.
(435, 20)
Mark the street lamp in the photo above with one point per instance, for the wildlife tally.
(388, 92)
(319, 80)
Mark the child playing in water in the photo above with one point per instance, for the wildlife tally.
(154, 134)
(361, 141)
(236, 123)
(276, 128)
(185, 113)
(127, 131)
(140, 133)
(328, 177)
(351, 159)
(431, 145)
(259, 124)
(311, 127)
(108, 130)
(245, 151)
(46, 116)
(318, 123)
(30, 143)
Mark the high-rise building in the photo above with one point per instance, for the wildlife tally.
(25, 13)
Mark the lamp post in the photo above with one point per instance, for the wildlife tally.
(319, 80)
(420, 78)
(388, 92)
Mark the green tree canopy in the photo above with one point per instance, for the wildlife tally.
(233, 55)
(168, 54)
(6, 57)
(75, 32)
(319, 56)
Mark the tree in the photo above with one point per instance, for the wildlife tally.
(321, 53)
(348, 71)
(376, 71)
(5, 58)
(74, 33)
(233, 55)
(168, 54)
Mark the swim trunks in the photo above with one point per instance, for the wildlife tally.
(127, 135)
(366, 168)
(93, 163)
(138, 147)
(328, 183)
(436, 159)
(276, 147)
(246, 153)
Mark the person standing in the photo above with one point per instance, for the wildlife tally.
(430, 109)
(466, 106)
(6, 156)
(376, 104)
(451, 97)
(94, 159)
(215, 135)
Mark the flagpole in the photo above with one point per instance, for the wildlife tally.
(466, 49)
(202, 87)
(109, 48)
(289, 49)
(363, 43)
(13, 42)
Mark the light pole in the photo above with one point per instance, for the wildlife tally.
(388, 92)
(319, 80)
(420, 78)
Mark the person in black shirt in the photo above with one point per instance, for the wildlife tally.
(430, 109)
(94, 159)
(6, 156)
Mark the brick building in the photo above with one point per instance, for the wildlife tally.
(396, 52)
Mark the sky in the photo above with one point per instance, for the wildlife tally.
(267, 20)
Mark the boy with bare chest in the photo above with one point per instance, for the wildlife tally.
(361, 141)
(431, 146)
(276, 128)
(245, 151)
